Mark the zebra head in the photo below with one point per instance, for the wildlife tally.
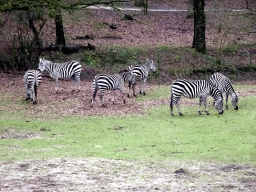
(234, 100)
(151, 65)
(219, 104)
(42, 64)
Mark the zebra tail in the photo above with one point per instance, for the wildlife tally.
(35, 91)
(171, 103)
(95, 88)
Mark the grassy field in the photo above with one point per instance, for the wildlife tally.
(229, 138)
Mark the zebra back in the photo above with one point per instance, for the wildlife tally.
(61, 70)
(32, 77)
(110, 82)
(222, 82)
(143, 70)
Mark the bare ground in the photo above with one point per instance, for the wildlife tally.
(89, 174)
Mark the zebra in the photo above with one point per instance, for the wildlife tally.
(141, 74)
(71, 69)
(224, 85)
(104, 82)
(32, 80)
(194, 89)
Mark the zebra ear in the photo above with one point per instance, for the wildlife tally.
(40, 59)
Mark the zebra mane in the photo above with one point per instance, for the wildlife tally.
(124, 71)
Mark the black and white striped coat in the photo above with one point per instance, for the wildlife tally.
(32, 80)
(224, 85)
(71, 69)
(194, 89)
(113, 82)
(141, 74)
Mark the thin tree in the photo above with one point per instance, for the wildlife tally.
(199, 26)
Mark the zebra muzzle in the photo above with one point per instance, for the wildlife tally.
(221, 112)
(236, 108)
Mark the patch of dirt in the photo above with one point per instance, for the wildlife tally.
(9, 133)
(92, 174)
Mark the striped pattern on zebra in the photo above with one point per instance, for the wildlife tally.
(224, 85)
(32, 80)
(194, 89)
(71, 69)
(141, 74)
(110, 82)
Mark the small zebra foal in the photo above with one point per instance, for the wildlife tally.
(32, 80)
(141, 74)
(224, 85)
(110, 82)
(71, 69)
(194, 89)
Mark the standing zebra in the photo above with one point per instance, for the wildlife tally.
(32, 80)
(71, 69)
(224, 85)
(194, 89)
(110, 82)
(141, 74)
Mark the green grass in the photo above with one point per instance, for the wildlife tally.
(229, 138)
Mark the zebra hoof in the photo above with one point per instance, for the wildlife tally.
(207, 113)
(236, 108)
(128, 95)
(144, 93)
(172, 114)
(34, 102)
(140, 92)
(134, 95)
(226, 107)
(199, 112)
(181, 114)
(124, 101)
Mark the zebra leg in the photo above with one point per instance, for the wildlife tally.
(171, 105)
(114, 95)
(143, 85)
(175, 101)
(76, 79)
(199, 105)
(35, 94)
(227, 100)
(101, 98)
(133, 89)
(94, 95)
(120, 89)
(205, 106)
(56, 85)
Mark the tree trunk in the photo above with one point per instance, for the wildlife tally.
(199, 26)
(190, 10)
(60, 38)
(35, 32)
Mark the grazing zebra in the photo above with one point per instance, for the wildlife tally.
(110, 82)
(194, 89)
(71, 69)
(141, 74)
(32, 80)
(224, 85)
